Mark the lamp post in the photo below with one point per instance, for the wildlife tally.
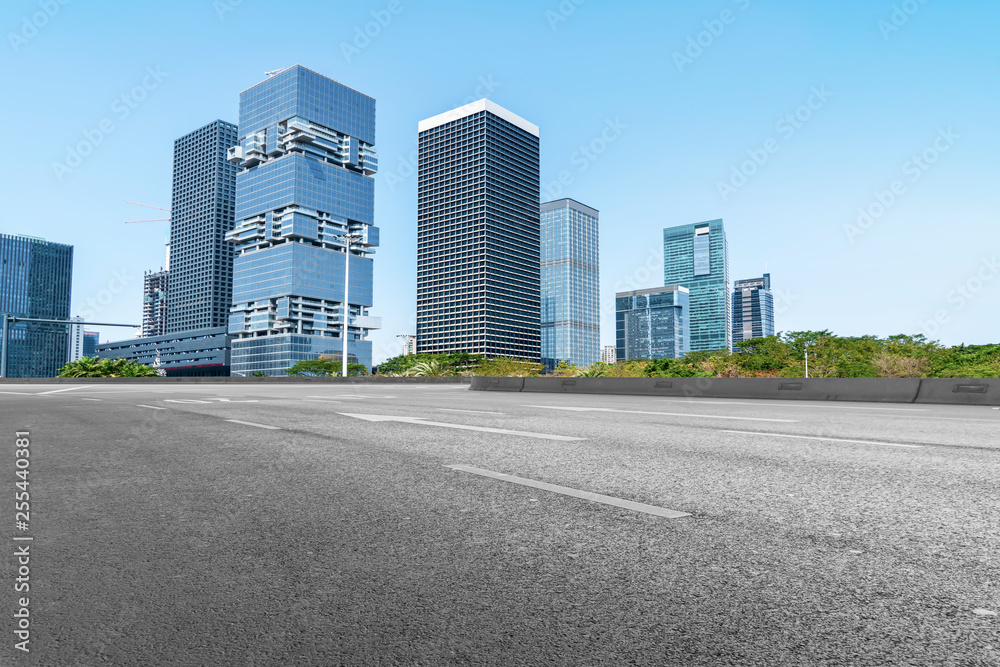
(348, 239)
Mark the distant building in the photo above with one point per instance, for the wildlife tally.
(36, 279)
(201, 213)
(697, 257)
(199, 353)
(609, 354)
(570, 319)
(478, 233)
(154, 303)
(409, 345)
(753, 308)
(90, 341)
(652, 323)
(307, 160)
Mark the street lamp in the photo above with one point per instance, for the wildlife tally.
(348, 239)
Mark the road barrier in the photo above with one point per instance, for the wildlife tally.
(244, 380)
(868, 390)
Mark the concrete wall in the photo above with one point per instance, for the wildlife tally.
(243, 380)
(878, 390)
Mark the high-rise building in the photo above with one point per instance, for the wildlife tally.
(609, 354)
(154, 303)
(307, 161)
(652, 323)
(201, 213)
(409, 345)
(697, 257)
(74, 350)
(570, 318)
(478, 233)
(36, 280)
(753, 308)
(90, 342)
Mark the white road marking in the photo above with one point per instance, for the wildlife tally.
(576, 493)
(151, 407)
(56, 391)
(810, 437)
(19, 393)
(320, 400)
(91, 399)
(665, 414)
(353, 397)
(237, 421)
(183, 400)
(422, 422)
(804, 404)
(232, 400)
(477, 412)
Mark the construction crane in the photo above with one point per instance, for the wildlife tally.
(149, 219)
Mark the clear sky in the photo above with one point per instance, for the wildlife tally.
(783, 118)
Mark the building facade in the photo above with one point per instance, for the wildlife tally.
(570, 308)
(478, 255)
(697, 257)
(198, 353)
(653, 323)
(753, 308)
(201, 214)
(36, 280)
(90, 342)
(306, 154)
(154, 302)
(74, 349)
(609, 354)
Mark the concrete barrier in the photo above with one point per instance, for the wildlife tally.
(868, 390)
(363, 380)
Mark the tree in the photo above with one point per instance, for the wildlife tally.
(324, 368)
(88, 367)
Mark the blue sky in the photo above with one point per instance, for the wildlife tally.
(786, 119)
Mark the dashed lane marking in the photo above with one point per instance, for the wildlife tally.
(237, 421)
(575, 493)
(420, 421)
(665, 414)
(812, 437)
(56, 391)
(151, 407)
(476, 412)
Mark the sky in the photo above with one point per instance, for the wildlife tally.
(850, 147)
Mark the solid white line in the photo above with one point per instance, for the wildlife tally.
(665, 414)
(237, 421)
(477, 412)
(576, 493)
(151, 407)
(19, 393)
(809, 437)
(91, 399)
(56, 391)
(420, 421)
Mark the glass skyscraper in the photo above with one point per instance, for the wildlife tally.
(570, 319)
(36, 280)
(753, 308)
(201, 214)
(697, 257)
(307, 157)
(478, 233)
(652, 323)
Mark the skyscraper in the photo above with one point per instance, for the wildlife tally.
(478, 233)
(609, 354)
(753, 308)
(307, 157)
(36, 279)
(201, 213)
(697, 257)
(652, 323)
(154, 302)
(90, 342)
(570, 318)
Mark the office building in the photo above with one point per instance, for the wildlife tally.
(306, 154)
(409, 345)
(90, 342)
(154, 302)
(697, 257)
(198, 353)
(201, 214)
(653, 323)
(36, 279)
(609, 354)
(570, 314)
(478, 274)
(74, 349)
(753, 308)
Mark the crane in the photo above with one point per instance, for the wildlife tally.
(149, 219)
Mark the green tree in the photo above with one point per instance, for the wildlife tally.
(96, 367)
(324, 368)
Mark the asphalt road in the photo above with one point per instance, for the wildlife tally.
(169, 527)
